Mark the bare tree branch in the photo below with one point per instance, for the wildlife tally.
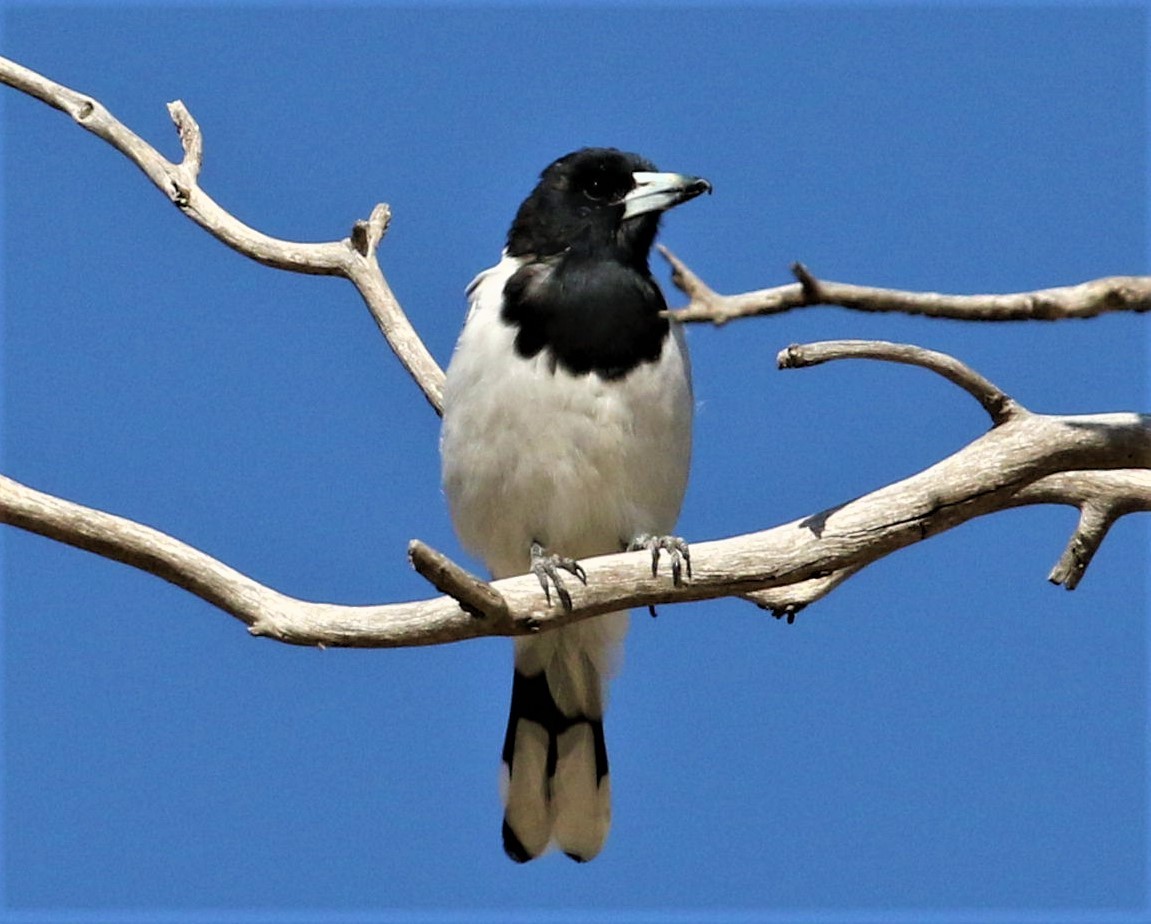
(353, 258)
(993, 399)
(476, 596)
(786, 602)
(1102, 498)
(1097, 463)
(191, 139)
(1011, 465)
(1086, 300)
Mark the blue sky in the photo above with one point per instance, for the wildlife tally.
(946, 736)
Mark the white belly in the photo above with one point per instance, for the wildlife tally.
(580, 464)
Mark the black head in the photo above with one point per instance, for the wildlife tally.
(583, 291)
(598, 201)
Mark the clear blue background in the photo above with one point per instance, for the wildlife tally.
(947, 734)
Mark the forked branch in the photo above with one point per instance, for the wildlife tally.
(354, 257)
(1085, 300)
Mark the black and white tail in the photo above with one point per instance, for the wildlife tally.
(557, 788)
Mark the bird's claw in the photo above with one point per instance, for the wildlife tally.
(546, 567)
(676, 548)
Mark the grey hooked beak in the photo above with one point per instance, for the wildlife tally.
(657, 192)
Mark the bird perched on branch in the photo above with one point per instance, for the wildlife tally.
(567, 434)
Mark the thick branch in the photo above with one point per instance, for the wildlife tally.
(1101, 496)
(1012, 464)
(353, 258)
(1086, 300)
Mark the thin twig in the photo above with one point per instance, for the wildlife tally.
(1085, 300)
(191, 138)
(708, 305)
(475, 595)
(993, 399)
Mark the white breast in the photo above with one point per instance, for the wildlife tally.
(533, 453)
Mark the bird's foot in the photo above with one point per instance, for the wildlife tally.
(546, 567)
(676, 548)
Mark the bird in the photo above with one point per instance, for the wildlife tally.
(566, 434)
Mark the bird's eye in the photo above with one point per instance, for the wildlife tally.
(598, 187)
